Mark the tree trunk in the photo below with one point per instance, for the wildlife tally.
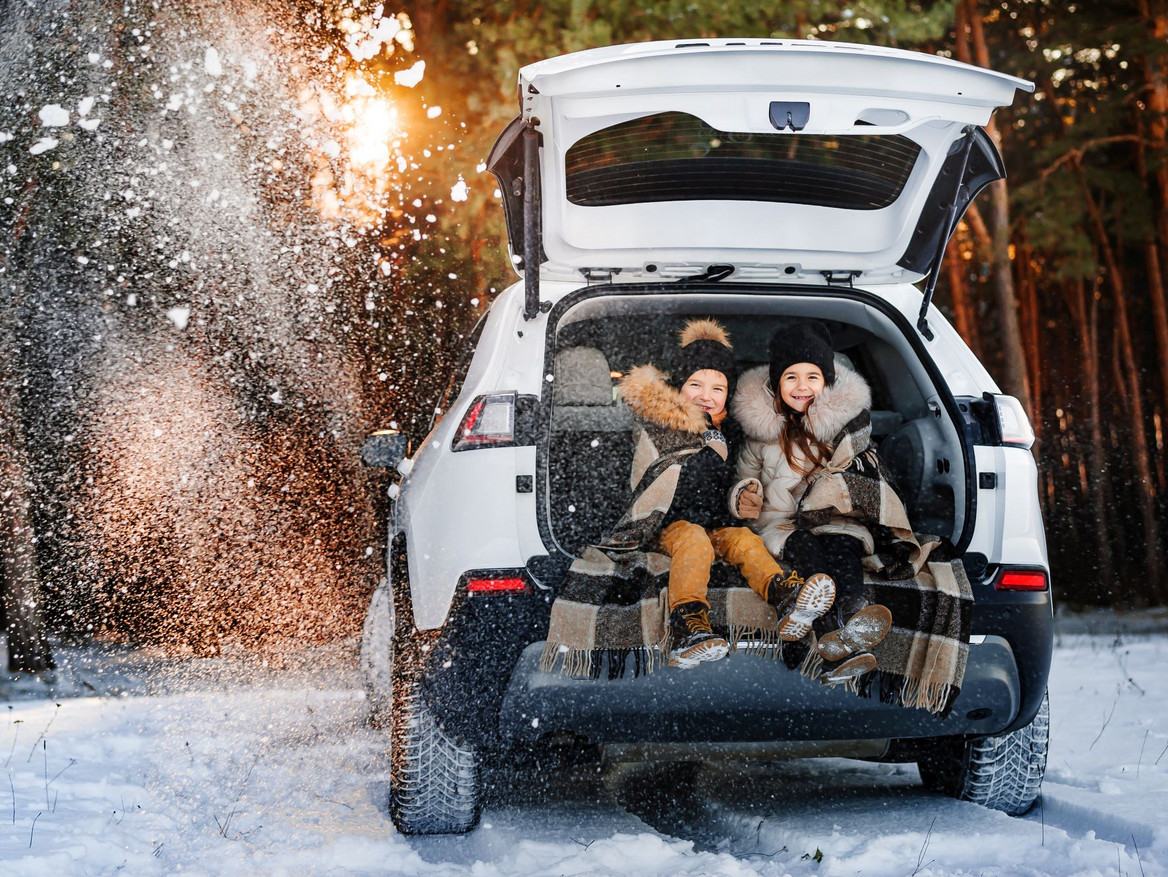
(1015, 381)
(967, 325)
(1156, 17)
(1129, 373)
(1156, 292)
(963, 316)
(961, 35)
(1086, 319)
(28, 648)
(1031, 319)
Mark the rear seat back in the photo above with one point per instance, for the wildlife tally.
(921, 472)
(591, 449)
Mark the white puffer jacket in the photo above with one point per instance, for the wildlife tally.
(762, 458)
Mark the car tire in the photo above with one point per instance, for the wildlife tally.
(435, 781)
(377, 654)
(1003, 772)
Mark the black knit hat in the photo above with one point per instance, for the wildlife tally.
(704, 344)
(802, 341)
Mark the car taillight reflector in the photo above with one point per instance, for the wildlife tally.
(1013, 422)
(495, 586)
(1021, 580)
(490, 421)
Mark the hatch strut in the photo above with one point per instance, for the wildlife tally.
(532, 244)
(950, 221)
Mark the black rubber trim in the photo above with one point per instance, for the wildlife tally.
(981, 419)
(1025, 619)
(985, 166)
(468, 666)
(505, 162)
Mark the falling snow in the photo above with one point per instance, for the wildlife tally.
(411, 77)
(179, 316)
(43, 145)
(53, 116)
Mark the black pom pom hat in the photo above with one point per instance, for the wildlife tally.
(802, 341)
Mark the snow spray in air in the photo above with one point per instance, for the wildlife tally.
(204, 266)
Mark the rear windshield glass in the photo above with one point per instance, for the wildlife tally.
(678, 157)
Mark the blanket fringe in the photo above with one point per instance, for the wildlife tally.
(591, 663)
(758, 642)
(812, 664)
(577, 663)
(893, 688)
(813, 668)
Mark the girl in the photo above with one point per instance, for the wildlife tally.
(824, 490)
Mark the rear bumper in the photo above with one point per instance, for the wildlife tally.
(745, 698)
(482, 680)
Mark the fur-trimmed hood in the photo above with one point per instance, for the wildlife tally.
(649, 397)
(753, 405)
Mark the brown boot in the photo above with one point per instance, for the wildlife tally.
(799, 602)
(693, 641)
(853, 668)
(864, 630)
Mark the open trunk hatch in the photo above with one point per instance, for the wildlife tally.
(778, 158)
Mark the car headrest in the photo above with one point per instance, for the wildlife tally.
(582, 378)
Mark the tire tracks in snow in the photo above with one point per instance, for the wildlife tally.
(789, 811)
(1078, 811)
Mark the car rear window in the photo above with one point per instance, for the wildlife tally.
(678, 157)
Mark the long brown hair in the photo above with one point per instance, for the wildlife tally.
(795, 434)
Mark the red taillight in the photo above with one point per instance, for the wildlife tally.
(490, 421)
(1021, 580)
(1013, 422)
(495, 586)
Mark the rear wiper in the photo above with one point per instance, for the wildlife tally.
(712, 274)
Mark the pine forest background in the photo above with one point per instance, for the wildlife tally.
(235, 238)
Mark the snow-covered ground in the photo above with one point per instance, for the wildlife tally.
(226, 766)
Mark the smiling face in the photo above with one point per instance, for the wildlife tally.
(800, 384)
(707, 389)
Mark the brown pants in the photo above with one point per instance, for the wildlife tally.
(692, 549)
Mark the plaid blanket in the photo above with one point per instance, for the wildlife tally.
(613, 601)
(854, 485)
(611, 613)
(921, 662)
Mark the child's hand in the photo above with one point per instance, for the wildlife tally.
(745, 499)
(749, 502)
(715, 441)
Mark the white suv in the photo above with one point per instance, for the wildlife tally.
(752, 181)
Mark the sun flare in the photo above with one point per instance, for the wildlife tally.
(355, 135)
(373, 123)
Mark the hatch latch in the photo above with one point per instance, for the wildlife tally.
(793, 114)
(599, 275)
(841, 278)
